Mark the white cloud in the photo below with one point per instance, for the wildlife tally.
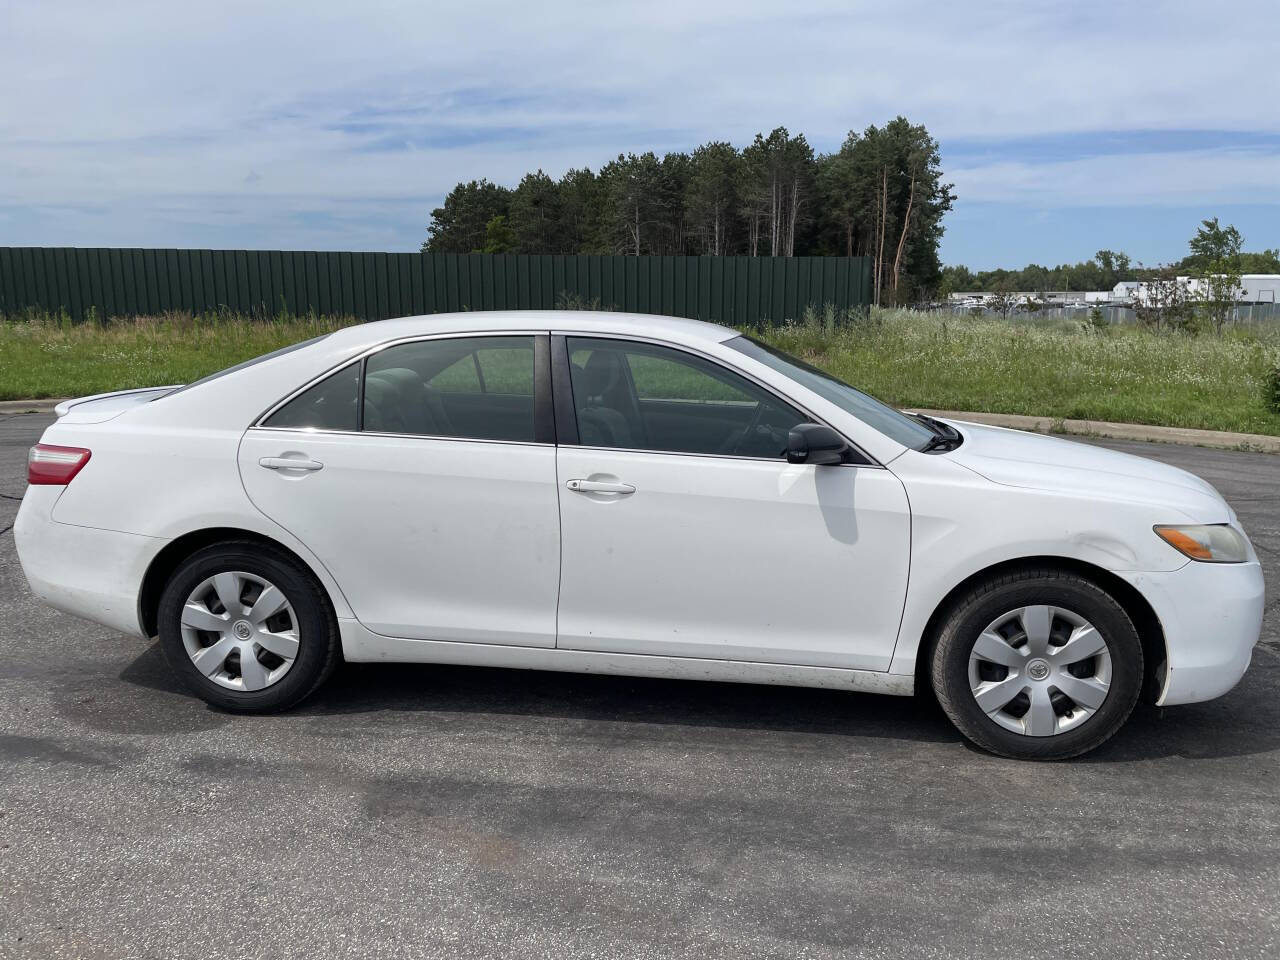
(156, 114)
(1222, 176)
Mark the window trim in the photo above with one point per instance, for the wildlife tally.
(555, 417)
(364, 369)
(544, 426)
(316, 432)
(566, 414)
(563, 391)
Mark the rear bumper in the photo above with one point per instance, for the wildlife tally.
(1211, 614)
(90, 573)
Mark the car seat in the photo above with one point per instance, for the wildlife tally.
(604, 389)
(397, 401)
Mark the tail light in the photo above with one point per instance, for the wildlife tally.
(50, 464)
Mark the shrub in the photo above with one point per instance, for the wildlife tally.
(568, 300)
(829, 318)
(1271, 390)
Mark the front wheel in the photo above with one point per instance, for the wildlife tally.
(247, 628)
(1038, 665)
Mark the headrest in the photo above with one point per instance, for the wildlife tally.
(378, 388)
(602, 372)
(400, 376)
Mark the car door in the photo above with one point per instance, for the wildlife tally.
(424, 478)
(685, 532)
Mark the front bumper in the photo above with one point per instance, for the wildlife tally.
(1211, 614)
(89, 573)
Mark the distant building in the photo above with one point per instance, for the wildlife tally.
(1254, 288)
(1260, 288)
(1078, 299)
(1147, 291)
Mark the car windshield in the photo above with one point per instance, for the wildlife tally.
(246, 363)
(892, 423)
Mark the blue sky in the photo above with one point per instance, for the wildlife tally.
(1064, 126)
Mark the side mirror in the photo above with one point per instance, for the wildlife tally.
(815, 443)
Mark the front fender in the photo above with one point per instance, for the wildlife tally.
(963, 524)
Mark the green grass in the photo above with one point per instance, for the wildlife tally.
(1056, 369)
(43, 357)
(1051, 369)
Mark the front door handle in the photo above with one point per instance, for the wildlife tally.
(600, 486)
(289, 463)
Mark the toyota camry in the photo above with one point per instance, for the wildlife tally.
(607, 493)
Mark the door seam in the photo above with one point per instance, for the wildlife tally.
(560, 547)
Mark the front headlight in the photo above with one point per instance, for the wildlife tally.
(1207, 542)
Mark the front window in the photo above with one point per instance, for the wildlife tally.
(640, 396)
(892, 423)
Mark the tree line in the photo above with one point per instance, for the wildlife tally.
(881, 195)
(1107, 268)
(1198, 293)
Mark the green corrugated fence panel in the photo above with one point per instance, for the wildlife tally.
(745, 291)
(12, 295)
(61, 280)
(8, 287)
(9, 297)
(28, 268)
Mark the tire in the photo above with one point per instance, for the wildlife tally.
(294, 649)
(972, 671)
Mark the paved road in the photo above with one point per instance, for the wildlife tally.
(459, 812)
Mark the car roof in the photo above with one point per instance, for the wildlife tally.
(677, 329)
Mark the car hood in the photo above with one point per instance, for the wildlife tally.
(1016, 458)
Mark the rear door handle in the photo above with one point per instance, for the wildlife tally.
(600, 486)
(289, 463)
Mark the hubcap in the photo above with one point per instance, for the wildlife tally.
(1040, 670)
(240, 631)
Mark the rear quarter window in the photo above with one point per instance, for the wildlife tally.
(330, 404)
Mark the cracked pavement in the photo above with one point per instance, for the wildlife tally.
(466, 812)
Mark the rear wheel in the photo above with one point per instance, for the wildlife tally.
(247, 628)
(1041, 664)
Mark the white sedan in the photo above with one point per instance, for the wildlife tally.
(632, 495)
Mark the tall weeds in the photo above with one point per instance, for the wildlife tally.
(1049, 367)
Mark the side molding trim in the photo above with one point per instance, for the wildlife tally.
(360, 645)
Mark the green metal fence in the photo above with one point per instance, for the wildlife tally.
(106, 282)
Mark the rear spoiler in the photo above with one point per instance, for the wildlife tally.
(63, 408)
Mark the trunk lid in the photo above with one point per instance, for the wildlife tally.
(102, 407)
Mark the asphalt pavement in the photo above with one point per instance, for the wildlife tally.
(465, 812)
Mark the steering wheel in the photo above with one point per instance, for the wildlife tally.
(754, 429)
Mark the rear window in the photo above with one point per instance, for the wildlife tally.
(249, 363)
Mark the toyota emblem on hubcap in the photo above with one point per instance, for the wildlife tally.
(1037, 669)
